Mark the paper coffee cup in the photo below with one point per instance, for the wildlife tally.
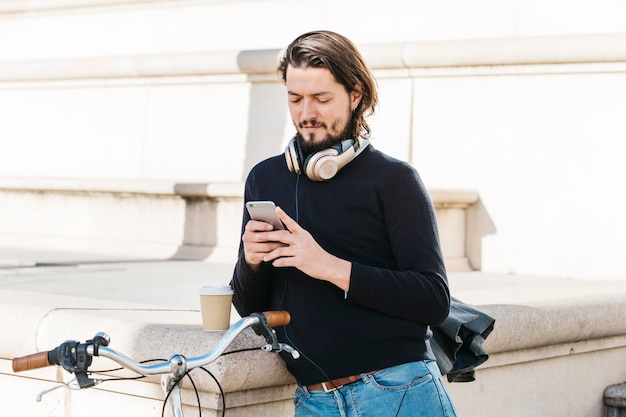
(215, 307)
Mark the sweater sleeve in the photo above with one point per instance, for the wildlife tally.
(251, 290)
(416, 288)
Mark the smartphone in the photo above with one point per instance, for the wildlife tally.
(264, 211)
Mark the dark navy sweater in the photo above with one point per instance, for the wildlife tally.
(377, 214)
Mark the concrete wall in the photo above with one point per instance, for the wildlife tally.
(517, 101)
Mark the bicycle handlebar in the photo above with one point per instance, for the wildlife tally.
(65, 354)
(34, 361)
(277, 318)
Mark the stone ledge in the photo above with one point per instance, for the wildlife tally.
(47, 321)
(546, 323)
(116, 216)
(565, 49)
(249, 379)
(441, 197)
(122, 186)
(140, 333)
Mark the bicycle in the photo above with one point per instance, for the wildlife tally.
(76, 358)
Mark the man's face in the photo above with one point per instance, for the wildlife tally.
(320, 107)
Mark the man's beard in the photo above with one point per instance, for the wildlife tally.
(310, 146)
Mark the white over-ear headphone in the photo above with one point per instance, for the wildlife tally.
(325, 164)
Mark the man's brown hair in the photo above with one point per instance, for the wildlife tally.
(326, 49)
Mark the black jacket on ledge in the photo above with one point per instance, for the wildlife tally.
(458, 341)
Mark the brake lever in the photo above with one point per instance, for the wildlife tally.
(263, 329)
(44, 392)
(282, 347)
(273, 345)
(66, 385)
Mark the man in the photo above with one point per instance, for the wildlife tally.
(359, 265)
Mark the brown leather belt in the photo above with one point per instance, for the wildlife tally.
(333, 384)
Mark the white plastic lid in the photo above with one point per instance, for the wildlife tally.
(216, 290)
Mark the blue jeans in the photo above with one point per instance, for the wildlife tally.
(410, 390)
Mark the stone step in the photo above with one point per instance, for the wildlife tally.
(162, 219)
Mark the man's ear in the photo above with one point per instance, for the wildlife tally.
(355, 97)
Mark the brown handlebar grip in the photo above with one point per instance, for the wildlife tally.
(277, 318)
(34, 361)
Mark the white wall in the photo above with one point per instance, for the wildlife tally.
(111, 89)
(545, 152)
(33, 29)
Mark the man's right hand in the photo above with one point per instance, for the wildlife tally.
(259, 239)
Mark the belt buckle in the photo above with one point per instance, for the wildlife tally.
(327, 390)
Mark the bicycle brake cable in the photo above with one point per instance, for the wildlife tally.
(121, 368)
(243, 350)
(195, 388)
(219, 386)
